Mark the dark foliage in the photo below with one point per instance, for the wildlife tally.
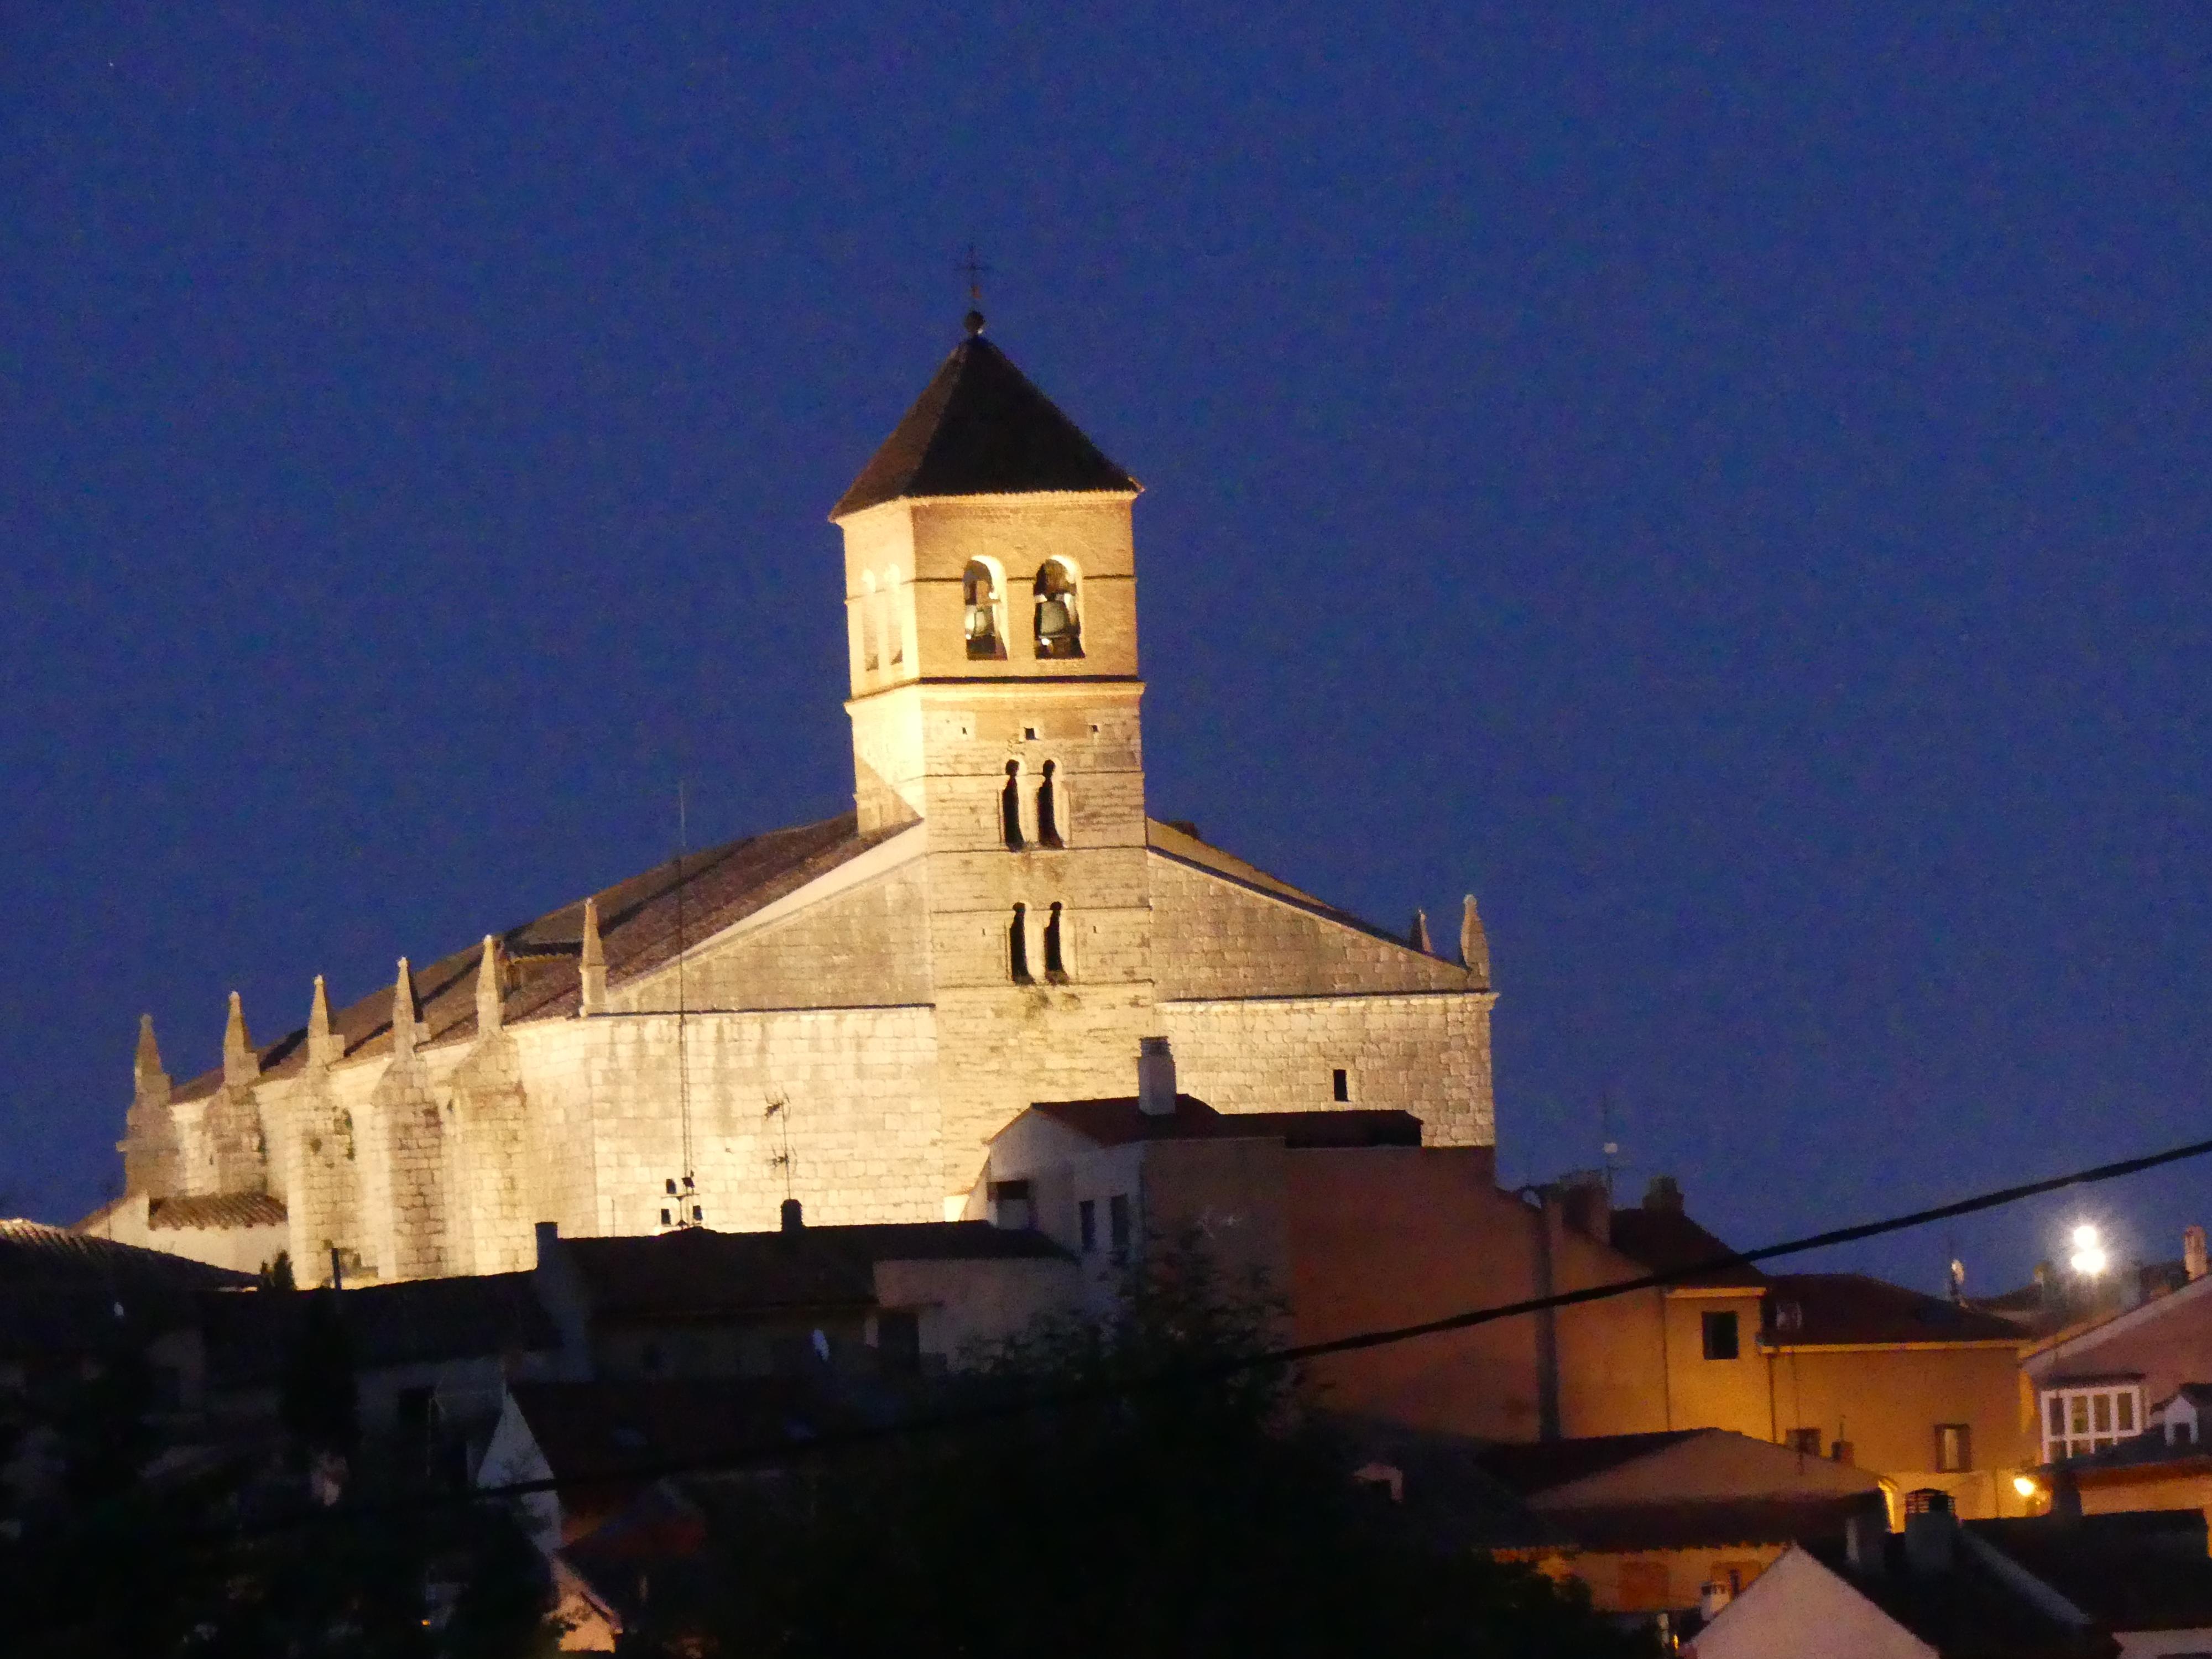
(1184, 1520)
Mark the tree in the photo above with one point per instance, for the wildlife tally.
(1125, 1516)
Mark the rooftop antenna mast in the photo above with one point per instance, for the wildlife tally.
(688, 1211)
(779, 1113)
(1608, 1140)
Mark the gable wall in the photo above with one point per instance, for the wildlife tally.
(867, 947)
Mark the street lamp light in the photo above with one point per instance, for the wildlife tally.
(2088, 1258)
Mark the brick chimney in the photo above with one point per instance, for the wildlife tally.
(2192, 1251)
(1932, 1532)
(1664, 1193)
(1156, 1078)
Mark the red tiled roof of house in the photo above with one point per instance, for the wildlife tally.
(700, 1273)
(1119, 1121)
(217, 1210)
(1666, 1240)
(1542, 1465)
(1824, 1309)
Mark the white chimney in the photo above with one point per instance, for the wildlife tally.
(1156, 1079)
(2192, 1251)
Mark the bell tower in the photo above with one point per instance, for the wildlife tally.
(990, 597)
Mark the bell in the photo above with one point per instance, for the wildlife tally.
(1052, 619)
(979, 622)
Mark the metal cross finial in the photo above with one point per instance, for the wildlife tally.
(973, 268)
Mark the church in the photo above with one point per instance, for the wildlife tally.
(844, 1011)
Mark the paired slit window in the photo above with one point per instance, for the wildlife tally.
(1019, 965)
(1051, 808)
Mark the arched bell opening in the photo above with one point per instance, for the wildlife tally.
(1018, 947)
(1059, 611)
(869, 660)
(983, 610)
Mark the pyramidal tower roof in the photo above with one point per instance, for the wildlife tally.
(980, 428)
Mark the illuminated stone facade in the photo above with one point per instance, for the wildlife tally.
(846, 1011)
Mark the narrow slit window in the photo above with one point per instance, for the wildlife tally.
(1048, 807)
(1341, 1084)
(1055, 962)
(1010, 806)
(867, 607)
(893, 629)
(1018, 946)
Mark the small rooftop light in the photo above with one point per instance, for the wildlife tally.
(2023, 1486)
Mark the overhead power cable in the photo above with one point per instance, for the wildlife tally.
(1233, 1365)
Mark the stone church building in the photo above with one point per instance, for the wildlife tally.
(842, 1011)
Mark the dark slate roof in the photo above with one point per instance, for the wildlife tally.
(1851, 1308)
(63, 1293)
(980, 428)
(1666, 1240)
(1540, 1465)
(638, 930)
(610, 1430)
(700, 1273)
(2138, 1570)
(1118, 1122)
(1968, 1612)
(417, 1322)
(34, 1256)
(217, 1210)
(1717, 1524)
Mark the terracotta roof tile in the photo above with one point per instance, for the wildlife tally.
(697, 1272)
(1667, 1241)
(217, 1210)
(1118, 1121)
(1813, 1309)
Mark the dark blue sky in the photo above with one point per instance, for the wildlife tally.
(1729, 485)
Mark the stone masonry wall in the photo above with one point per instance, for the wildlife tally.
(867, 947)
(1212, 938)
(1427, 1054)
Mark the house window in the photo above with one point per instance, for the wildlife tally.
(1055, 959)
(2077, 1421)
(1117, 1227)
(1009, 807)
(1086, 1223)
(1049, 808)
(1805, 1442)
(1954, 1448)
(898, 1341)
(1643, 1587)
(1059, 611)
(1011, 1206)
(979, 591)
(1720, 1336)
(1018, 946)
(1341, 1084)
